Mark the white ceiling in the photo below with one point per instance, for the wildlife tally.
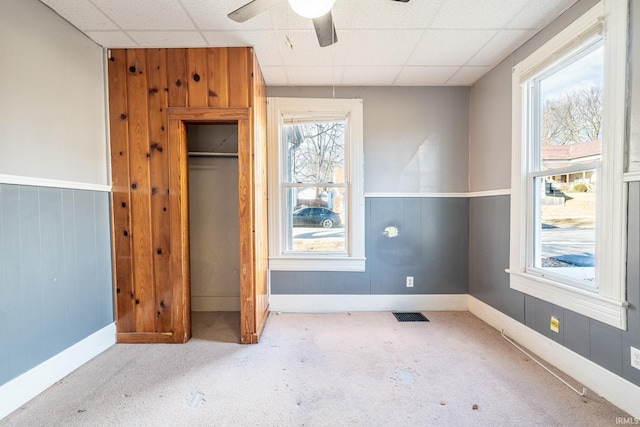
(380, 42)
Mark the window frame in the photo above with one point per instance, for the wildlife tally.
(606, 303)
(280, 258)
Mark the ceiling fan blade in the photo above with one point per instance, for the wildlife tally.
(325, 30)
(252, 9)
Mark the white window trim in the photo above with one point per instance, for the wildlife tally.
(608, 304)
(279, 259)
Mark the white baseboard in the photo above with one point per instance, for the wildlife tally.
(344, 303)
(199, 303)
(620, 392)
(20, 390)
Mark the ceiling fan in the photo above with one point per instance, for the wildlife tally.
(317, 10)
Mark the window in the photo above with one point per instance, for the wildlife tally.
(568, 195)
(316, 203)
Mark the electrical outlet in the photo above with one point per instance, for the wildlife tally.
(635, 357)
(409, 281)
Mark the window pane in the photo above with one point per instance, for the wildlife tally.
(565, 222)
(315, 152)
(570, 109)
(316, 219)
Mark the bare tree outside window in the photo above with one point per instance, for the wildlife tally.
(315, 151)
(573, 117)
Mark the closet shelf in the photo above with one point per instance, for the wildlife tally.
(208, 154)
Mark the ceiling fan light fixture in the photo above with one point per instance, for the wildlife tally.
(311, 8)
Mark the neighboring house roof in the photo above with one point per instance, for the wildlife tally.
(573, 151)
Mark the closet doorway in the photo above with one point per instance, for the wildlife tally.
(214, 225)
(253, 297)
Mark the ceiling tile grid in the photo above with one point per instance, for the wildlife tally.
(380, 42)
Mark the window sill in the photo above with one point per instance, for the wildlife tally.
(317, 264)
(587, 303)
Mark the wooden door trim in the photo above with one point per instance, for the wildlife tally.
(179, 117)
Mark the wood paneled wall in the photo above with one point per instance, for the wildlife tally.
(150, 209)
(261, 267)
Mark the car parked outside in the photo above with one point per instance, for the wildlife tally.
(315, 217)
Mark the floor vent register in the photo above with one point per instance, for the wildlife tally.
(410, 317)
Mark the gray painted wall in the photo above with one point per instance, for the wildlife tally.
(413, 134)
(596, 341)
(55, 272)
(489, 226)
(400, 157)
(52, 108)
(432, 246)
(55, 249)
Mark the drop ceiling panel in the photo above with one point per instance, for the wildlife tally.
(112, 39)
(466, 76)
(539, 13)
(306, 51)
(469, 14)
(168, 38)
(425, 76)
(497, 48)
(378, 47)
(276, 76)
(370, 76)
(448, 47)
(83, 13)
(146, 14)
(212, 15)
(384, 14)
(320, 76)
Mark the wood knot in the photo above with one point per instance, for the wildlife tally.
(123, 116)
(196, 77)
(162, 304)
(125, 233)
(178, 83)
(117, 290)
(124, 205)
(153, 91)
(112, 59)
(159, 251)
(137, 301)
(213, 94)
(148, 155)
(132, 69)
(134, 186)
(154, 190)
(156, 146)
(164, 209)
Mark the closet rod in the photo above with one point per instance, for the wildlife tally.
(206, 154)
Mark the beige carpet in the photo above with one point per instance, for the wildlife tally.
(318, 370)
